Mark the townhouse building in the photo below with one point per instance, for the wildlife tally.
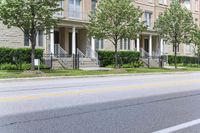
(70, 35)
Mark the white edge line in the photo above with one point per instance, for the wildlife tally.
(179, 127)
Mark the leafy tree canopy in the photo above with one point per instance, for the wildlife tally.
(115, 20)
(30, 16)
(175, 25)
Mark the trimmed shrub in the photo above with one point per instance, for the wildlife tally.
(183, 60)
(24, 66)
(19, 55)
(107, 58)
(8, 67)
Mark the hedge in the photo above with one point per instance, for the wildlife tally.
(107, 58)
(13, 56)
(183, 59)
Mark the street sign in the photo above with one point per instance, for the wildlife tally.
(37, 62)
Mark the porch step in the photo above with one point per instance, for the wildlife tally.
(87, 62)
(56, 64)
(152, 62)
(67, 63)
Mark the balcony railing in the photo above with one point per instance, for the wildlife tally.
(73, 15)
(78, 15)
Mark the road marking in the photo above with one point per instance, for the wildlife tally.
(179, 127)
(84, 91)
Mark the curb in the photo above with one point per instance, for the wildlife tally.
(90, 76)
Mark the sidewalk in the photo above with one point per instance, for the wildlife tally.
(90, 76)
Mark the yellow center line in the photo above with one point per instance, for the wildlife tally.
(89, 91)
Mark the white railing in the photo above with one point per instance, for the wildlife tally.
(78, 15)
(143, 53)
(93, 55)
(60, 53)
(81, 56)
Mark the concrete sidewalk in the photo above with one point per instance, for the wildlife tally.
(91, 76)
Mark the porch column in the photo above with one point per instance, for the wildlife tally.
(93, 47)
(52, 41)
(138, 43)
(150, 45)
(73, 40)
(161, 47)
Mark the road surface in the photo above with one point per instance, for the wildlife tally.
(158, 103)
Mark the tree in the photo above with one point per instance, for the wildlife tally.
(195, 39)
(115, 20)
(175, 25)
(30, 16)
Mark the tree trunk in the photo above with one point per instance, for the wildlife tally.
(175, 56)
(33, 44)
(116, 55)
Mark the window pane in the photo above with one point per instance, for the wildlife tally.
(129, 43)
(97, 44)
(121, 43)
(40, 38)
(93, 5)
(26, 38)
(102, 43)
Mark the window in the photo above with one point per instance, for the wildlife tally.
(147, 18)
(26, 38)
(125, 44)
(196, 5)
(188, 48)
(99, 44)
(177, 48)
(74, 8)
(60, 5)
(187, 4)
(163, 2)
(135, 43)
(40, 38)
(93, 5)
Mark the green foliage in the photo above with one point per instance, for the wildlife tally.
(107, 58)
(30, 16)
(196, 40)
(115, 20)
(135, 64)
(24, 66)
(175, 25)
(182, 60)
(25, 14)
(8, 66)
(14, 56)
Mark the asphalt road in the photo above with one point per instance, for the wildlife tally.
(159, 103)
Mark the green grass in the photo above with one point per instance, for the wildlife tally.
(69, 72)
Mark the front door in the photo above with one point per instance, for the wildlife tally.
(56, 37)
(146, 45)
(70, 42)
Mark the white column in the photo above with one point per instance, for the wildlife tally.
(45, 42)
(73, 40)
(138, 43)
(93, 47)
(52, 41)
(150, 45)
(161, 47)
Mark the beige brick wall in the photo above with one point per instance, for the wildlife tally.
(12, 37)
